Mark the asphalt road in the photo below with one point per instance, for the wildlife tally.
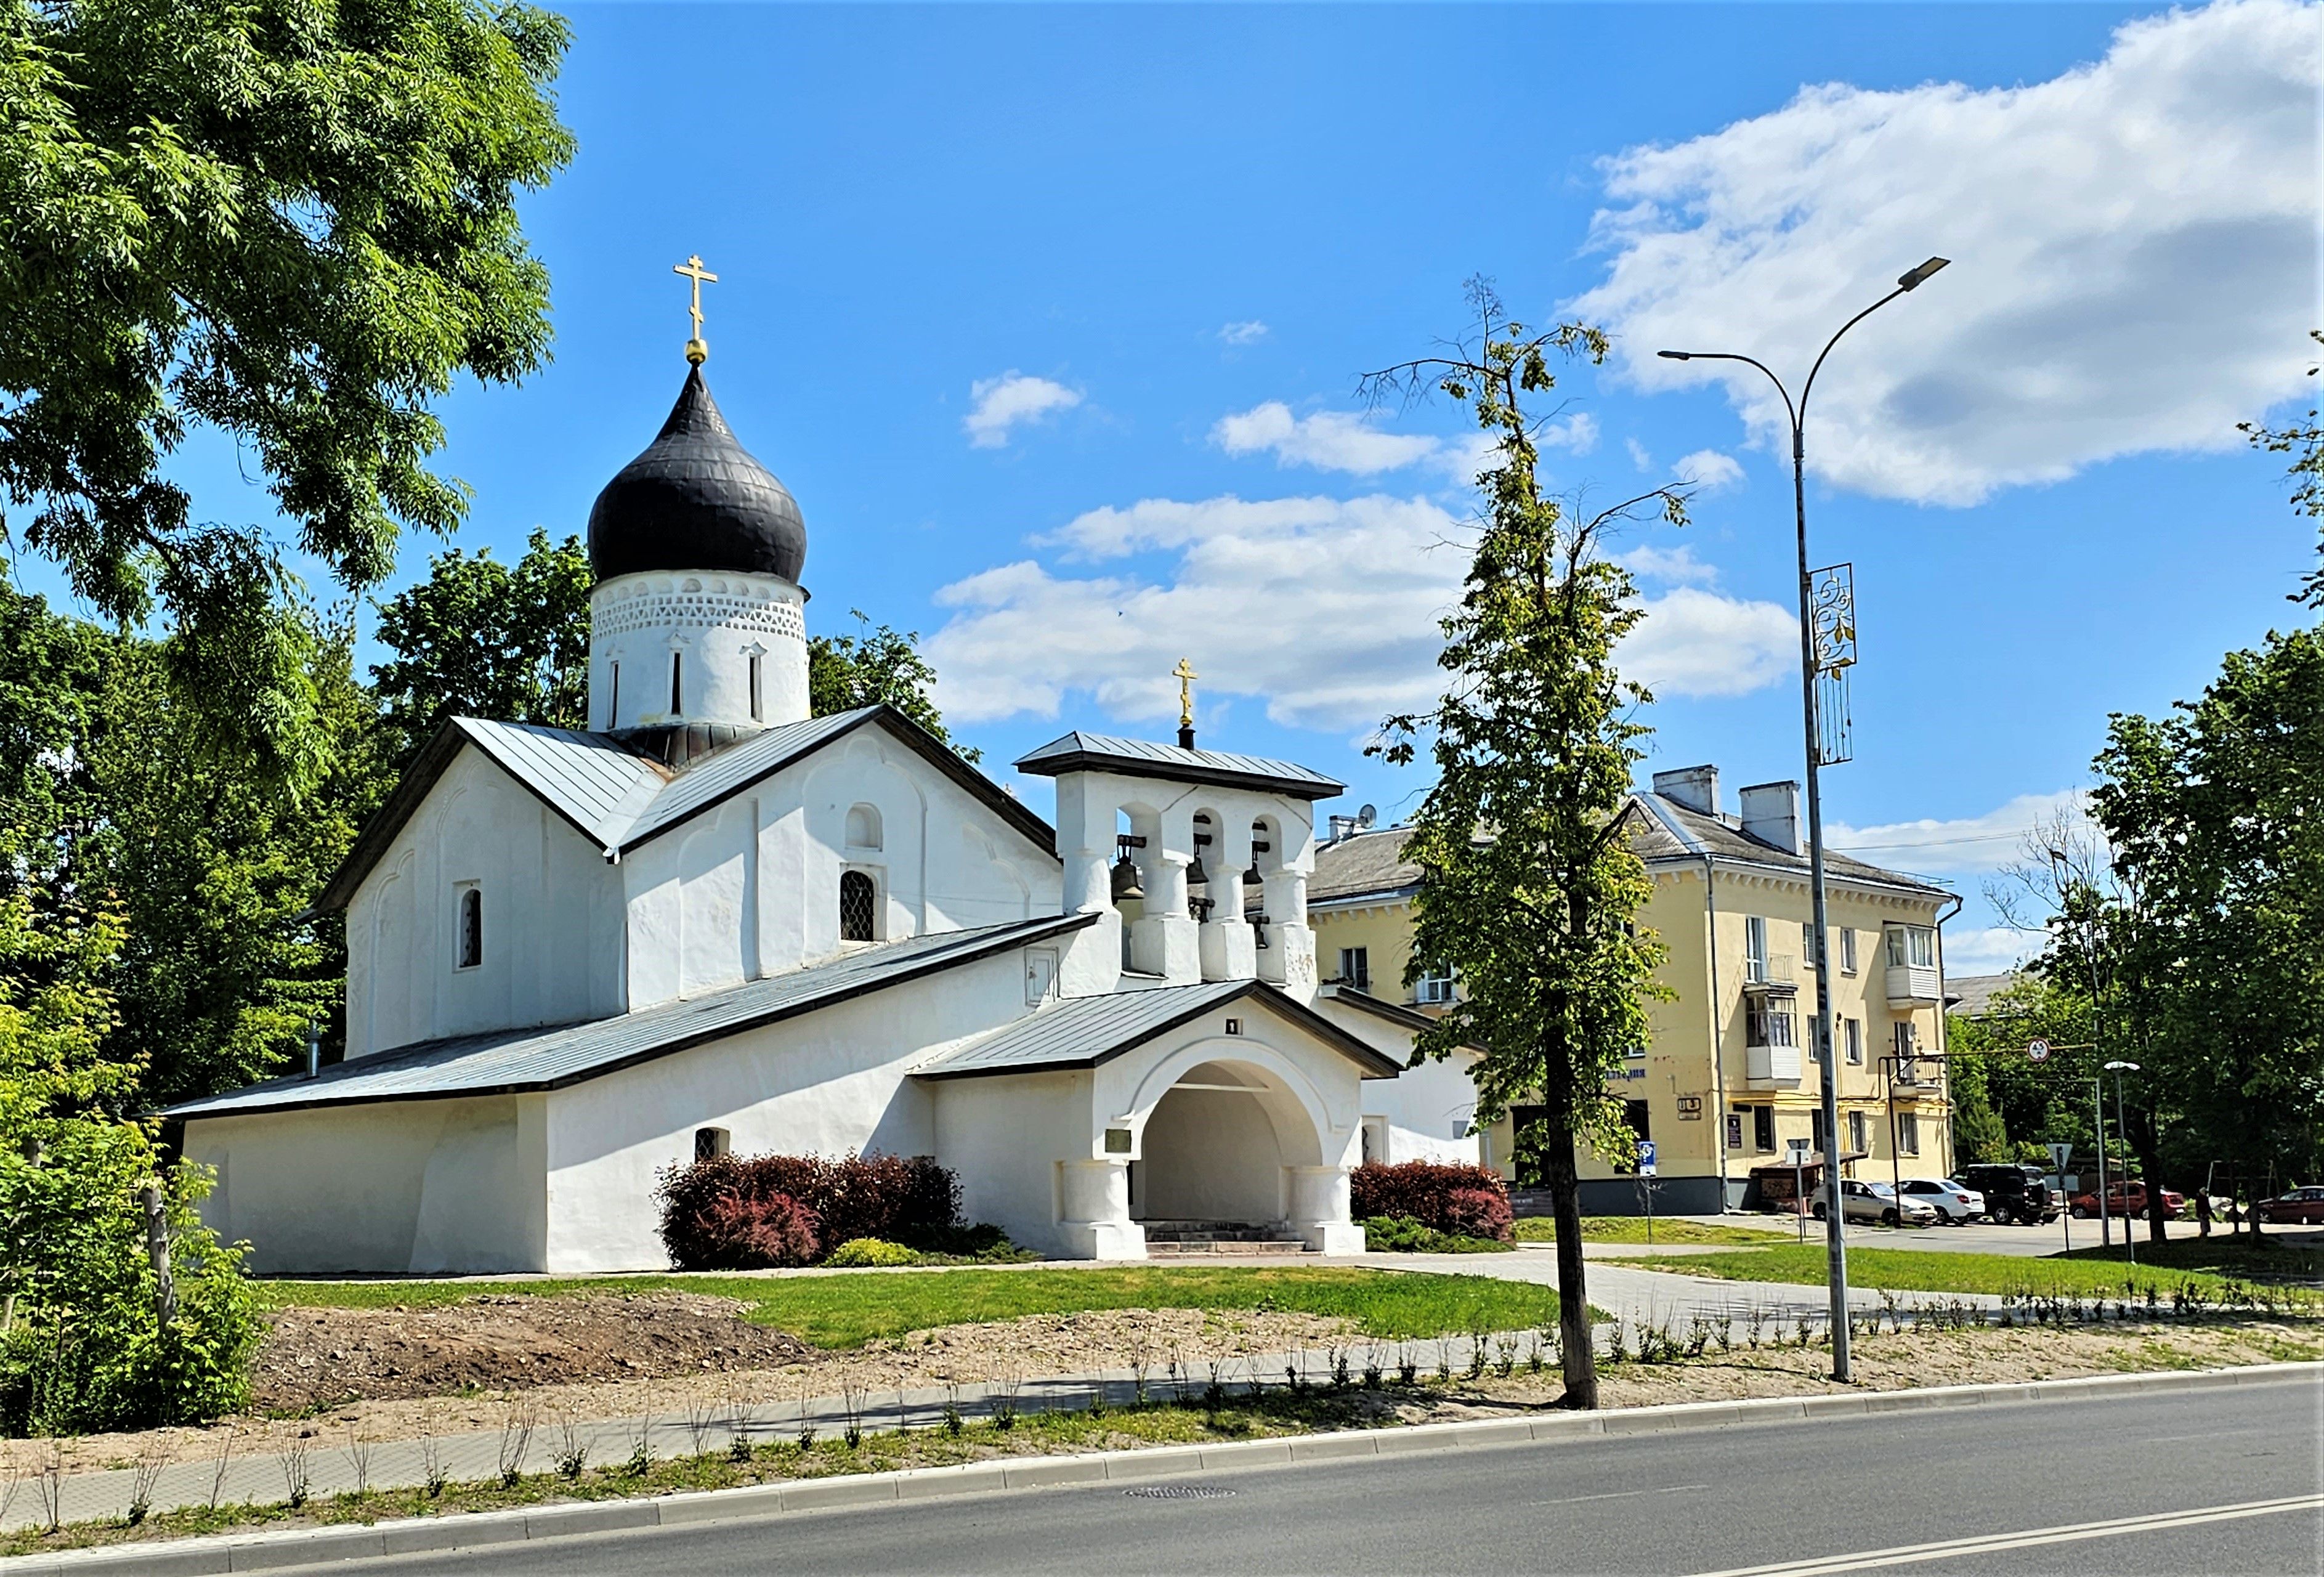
(2021, 1489)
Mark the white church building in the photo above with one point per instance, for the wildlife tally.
(712, 922)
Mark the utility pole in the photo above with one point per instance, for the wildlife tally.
(1796, 414)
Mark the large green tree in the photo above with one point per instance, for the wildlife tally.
(483, 639)
(876, 666)
(1528, 887)
(2215, 816)
(293, 224)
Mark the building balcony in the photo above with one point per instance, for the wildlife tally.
(1777, 970)
(1913, 985)
(1772, 1067)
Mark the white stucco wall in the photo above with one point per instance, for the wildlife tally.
(1006, 1138)
(552, 918)
(1424, 1113)
(751, 888)
(830, 1084)
(716, 621)
(414, 1187)
(1209, 1156)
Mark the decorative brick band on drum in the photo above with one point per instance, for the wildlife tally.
(699, 602)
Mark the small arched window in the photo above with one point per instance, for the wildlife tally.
(709, 1143)
(863, 827)
(471, 926)
(678, 684)
(859, 902)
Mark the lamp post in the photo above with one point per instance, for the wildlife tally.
(2129, 1243)
(2061, 867)
(1796, 414)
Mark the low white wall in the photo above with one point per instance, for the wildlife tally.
(1422, 1114)
(1006, 1137)
(830, 1084)
(408, 1186)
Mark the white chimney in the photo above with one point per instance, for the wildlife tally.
(1696, 788)
(1771, 813)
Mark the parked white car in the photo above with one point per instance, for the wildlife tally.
(1875, 1204)
(1952, 1202)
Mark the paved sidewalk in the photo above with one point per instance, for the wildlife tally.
(531, 1443)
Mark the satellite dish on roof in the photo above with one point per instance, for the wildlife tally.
(1367, 815)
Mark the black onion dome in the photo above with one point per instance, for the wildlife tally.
(695, 500)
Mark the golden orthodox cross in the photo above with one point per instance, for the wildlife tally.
(1185, 674)
(696, 349)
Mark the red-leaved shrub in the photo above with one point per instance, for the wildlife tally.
(705, 1206)
(1469, 1201)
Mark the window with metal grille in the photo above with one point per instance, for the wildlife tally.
(472, 927)
(859, 904)
(710, 1142)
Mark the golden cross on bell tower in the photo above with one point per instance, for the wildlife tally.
(1185, 674)
(697, 349)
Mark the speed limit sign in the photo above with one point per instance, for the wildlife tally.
(2037, 1051)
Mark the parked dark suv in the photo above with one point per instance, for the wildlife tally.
(2012, 1194)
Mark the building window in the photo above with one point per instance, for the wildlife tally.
(1754, 949)
(709, 1143)
(1855, 1135)
(1908, 1052)
(471, 926)
(1763, 1128)
(1911, 945)
(1356, 967)
(1847, 951)
(614, 705)
(859, 906)
(676, 684)
(1851, 1032)
(1815, 1130)
(757, 712)
(1908, 1134)
(1769, 1021)
(1807, 942)
(1434, 988)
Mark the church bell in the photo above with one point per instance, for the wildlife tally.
(1125, 880)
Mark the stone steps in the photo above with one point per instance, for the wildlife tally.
(1181, 1239)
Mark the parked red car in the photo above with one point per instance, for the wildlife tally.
(2121, 1202)
(2300, 1207)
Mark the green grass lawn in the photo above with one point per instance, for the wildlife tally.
(1632, 1228)
(2239, 1257)
(1914, 1270)
(849, 1310)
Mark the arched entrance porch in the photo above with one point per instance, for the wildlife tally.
(1229, 1150)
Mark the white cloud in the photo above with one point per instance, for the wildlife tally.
(1989, 950)
(1243, 333)
(1709, 470)
(1673, 564)
(2134, 244)
(1349, 441)
(1330, 440)
(1961, 846)
(1011, 400)
(1325, 608)
(1638, 455)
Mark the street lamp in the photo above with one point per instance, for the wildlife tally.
(2061, 867)
(1834, 1242)
(2129, 1242)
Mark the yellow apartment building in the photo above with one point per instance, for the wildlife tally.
(1726, 1081)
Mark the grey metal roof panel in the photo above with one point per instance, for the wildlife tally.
(1363, 864)
(1078, 750)
(1077, 1032)
(509, 1061)
(1699, 833)
(591, 779)
(726, 771)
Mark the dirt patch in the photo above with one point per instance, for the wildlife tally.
(322, 1358)
(573, 1357)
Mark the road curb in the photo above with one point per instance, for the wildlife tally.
(264, 1551)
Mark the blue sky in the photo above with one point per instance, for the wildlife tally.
(1051, 316)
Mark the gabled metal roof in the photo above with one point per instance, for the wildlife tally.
(513, 1061)
(1081, 1032)
(619, 797)
(1078, 753)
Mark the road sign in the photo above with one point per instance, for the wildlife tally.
(1646, 1157)
(2037, 1050)
(2060, 1154)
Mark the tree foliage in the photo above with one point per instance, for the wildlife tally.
(294, 225)
(483, 639)
(1528, 887)
(875, 666)
(86, 1340)
(2303, 440)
